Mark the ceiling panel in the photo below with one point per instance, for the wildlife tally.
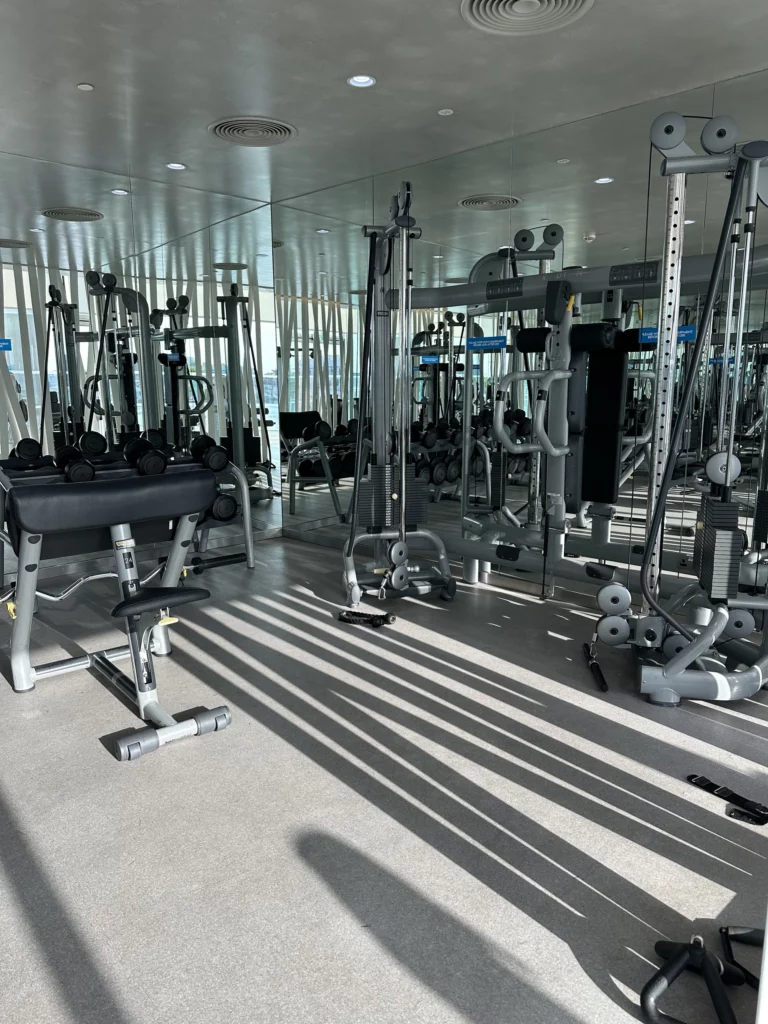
(163, 71)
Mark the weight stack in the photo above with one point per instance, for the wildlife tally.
(720, 562)
(498, 480)
(761, 518)
(377, 510)
(717, 515)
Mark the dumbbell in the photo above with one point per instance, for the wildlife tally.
(443, 428)
(27, 449)
(307, 467)
(77, 469)
(211, 455)
(429, 437)
(439, 472)
(455, 438)
(321, 431)
(91, 442)
(453, 471)
(336, 465)
(155, 437)
(423, 470)
(149, 461)
(478, 466)
(341, 430)
(224, 507)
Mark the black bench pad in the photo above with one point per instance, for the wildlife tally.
(153, 598)
(62, 507)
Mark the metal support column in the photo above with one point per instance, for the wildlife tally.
(666, 358)
(558, 358)
(234, 378)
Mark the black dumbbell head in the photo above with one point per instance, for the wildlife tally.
(67, 453)
(92, 278)
(224, 508)
(171, 304)
(79, 471)
(92, 443)
(155, 437)
(148, 460)
(353, 425)
(109, 280)
(323, 430)
(28, 449)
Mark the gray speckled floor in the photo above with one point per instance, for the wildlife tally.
(438, 822)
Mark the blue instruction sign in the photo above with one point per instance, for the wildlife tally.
(5, 345)
(494, 344)
(649, 335)
(430, 360)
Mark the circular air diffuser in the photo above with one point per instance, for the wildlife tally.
(489, 202)
(14, 243)
(522, 17)
(252, 131)
(231, 266)
(75, 213)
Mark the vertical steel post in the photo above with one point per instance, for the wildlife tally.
(753, 173)
(382, 362)
(234, 378)
(405, 368)
(666, 358)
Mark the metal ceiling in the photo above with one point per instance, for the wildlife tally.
(160, 80)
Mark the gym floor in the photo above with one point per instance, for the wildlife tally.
(436, 822)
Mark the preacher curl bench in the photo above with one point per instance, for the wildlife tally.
(52, 520)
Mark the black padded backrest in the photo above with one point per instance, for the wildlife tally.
(592, 337)
(607, 389)
(293, 424)
(532, 339)
(62, 507)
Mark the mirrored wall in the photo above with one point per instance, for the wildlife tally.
(597, 178)
(160, 243)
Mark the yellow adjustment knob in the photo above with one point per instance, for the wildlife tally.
(11, 606)
(167, 620)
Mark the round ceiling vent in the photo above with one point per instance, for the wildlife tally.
(489, 202)
(14, 243)
(522, 17)
(252, 131)
(231, 266)
(75, 213)
(277, 243)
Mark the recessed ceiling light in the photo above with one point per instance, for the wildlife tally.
(565, 160)
(322, 273)
(603, 181)
(625, 248)
(206, 275)
(119, 191)
(176, 167)
(445, 112)
(438, 257)
(361, 81)
(323, 231)
(85, 87)
(690, 222)
(38, 230)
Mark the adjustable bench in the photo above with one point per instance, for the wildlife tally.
(49, 520)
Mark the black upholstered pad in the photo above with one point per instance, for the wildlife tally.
(61, 507)
(151, 599)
